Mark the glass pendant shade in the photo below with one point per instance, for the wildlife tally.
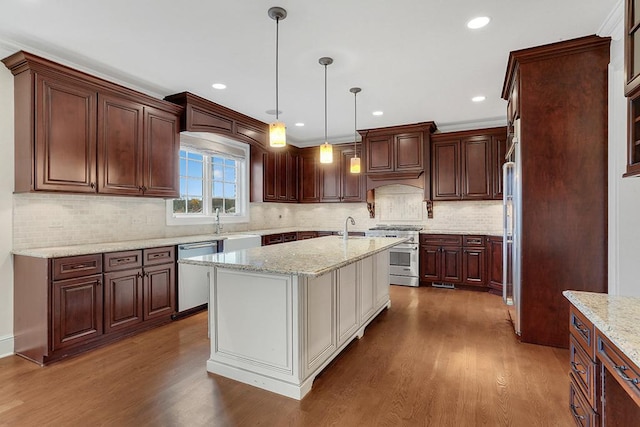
(326, 153)
(277, 134)
(355, 165)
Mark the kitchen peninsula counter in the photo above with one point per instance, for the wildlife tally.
(280, 314)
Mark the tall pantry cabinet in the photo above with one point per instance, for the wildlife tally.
(559, 93)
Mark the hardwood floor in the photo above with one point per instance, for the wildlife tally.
(437, 357)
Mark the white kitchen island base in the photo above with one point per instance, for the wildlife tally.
(278, 331)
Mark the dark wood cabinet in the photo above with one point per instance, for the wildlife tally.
(309, 172)
(494, 264)
(474, 262)
(337, 183)
(303, 235)
(468, 165)
(76, 311)
(441, 258)
(65, 136)
(272, 239)
(78, 133)
(280, 176)
(202, 115)
(562, 110)
(397, 149)
(64, 306)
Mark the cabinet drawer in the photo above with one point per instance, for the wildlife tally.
(582, 329)
(290, 237)
(625, 372)
(583, 370)
(271, 239)
(474, 241)
(76, 266)
(441, 239)
(582, 413)
(114, 261)
(155, 256)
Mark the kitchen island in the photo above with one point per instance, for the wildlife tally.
(279, 314)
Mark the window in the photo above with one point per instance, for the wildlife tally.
(213, 176)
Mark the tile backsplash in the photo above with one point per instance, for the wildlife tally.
(44, 220)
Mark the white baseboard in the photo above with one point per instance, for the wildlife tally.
(6, 345)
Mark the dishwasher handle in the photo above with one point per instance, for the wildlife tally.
(198, 246)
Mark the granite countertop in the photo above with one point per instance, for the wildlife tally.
(311, 257)
(617, 317)
(126, 245)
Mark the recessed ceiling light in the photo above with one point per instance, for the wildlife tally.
(299, 124)
(219, 86)
(478, 22)
(478, 98)
(377, 113)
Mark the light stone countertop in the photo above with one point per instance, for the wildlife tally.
(311, 257)
(126, 245)
(617, 317)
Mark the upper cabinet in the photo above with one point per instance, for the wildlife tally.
(632, 85)
(398, 151)
(468, 165)
(202, 115)
(77, 133)
(281, 175)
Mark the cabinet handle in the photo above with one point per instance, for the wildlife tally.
(621, 369)
(92, 185)
(143, 188)
(79, 266)
(139, 275)
(156, 255)
(575, 365)
(99, 282)
(575, 413)
(580, 327)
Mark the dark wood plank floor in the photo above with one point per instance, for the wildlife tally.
(438, 357)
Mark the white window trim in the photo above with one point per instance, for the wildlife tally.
(242, 188)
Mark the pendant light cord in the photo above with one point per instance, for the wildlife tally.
(355, 123)
(325, 103)
(277, 34)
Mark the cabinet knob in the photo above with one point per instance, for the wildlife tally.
(92, 185)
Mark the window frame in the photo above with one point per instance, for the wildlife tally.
(210, 145)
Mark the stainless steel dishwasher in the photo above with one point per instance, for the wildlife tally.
(193, 280)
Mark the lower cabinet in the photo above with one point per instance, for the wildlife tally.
(273, 239)
(494, 264)
(93, 299)
(454, 259)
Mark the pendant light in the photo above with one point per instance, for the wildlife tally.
(326, 149)
(355, 160)
(277, 129)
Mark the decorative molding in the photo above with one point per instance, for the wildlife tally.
(613, 25)
(6, 346)
(472, 124)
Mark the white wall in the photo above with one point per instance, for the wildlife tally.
(6, 189)
(624, 193)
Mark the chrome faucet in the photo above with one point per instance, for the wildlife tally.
(345, 233)
(217, 224)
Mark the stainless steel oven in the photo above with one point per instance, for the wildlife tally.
(404, 258)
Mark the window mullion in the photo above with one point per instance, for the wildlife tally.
(206, 187)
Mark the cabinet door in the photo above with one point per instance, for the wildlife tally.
(320, 329)
(270, 161)
(494, 263)
(409, 151)
(122, 300)
(309, 176)
(348, 320)
(499, 147)
(77, 311)
(430, 262)
(65, 136)
(120, 145)
(381, 262)
(330, 184)
(292, 177)
(476, 167)
(161, 153)
(367, 291)
(159, 291)
(379, 154)
(353, 184)
(474, 267)
(445, 159)
(451, 264)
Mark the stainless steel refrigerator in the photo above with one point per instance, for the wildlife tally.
(512, 229)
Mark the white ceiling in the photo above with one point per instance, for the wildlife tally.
(414, 59)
